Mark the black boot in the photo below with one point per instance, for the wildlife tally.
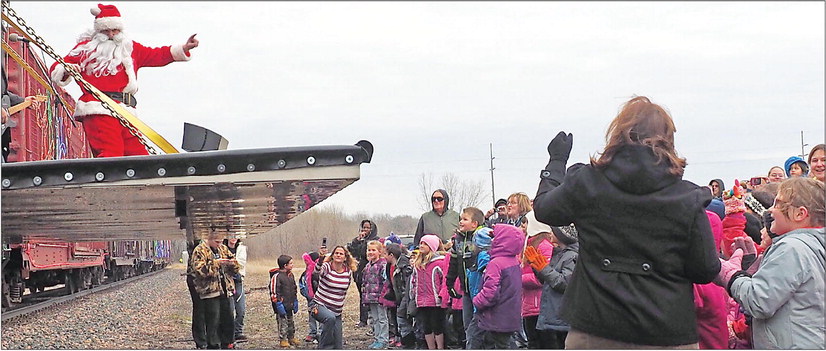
(409, 341)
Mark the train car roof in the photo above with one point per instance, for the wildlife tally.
(237, 192)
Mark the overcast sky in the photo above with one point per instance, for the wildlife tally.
(432, 84)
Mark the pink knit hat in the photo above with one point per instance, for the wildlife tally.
(432, 241)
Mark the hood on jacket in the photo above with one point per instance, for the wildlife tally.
(447, 200)
(720, 183)
(792, 160)
(374, 230)
(507, 241)
(716, 228)
(634, 169)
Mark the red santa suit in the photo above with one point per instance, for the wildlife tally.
(106, 136)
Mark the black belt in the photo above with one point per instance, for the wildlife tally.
(126, 98)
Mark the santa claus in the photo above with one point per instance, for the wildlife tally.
(109, 60)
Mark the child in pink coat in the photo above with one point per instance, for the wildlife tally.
(538, 237)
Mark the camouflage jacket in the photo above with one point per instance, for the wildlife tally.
(207, 273)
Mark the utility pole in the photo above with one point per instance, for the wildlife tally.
(492, 189)
(802, 146)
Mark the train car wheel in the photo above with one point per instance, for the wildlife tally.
(86, 278)
(16, 288)
(69, 282)
(97, 276)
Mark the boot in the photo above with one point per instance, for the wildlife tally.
(409, 341)
(284, 343)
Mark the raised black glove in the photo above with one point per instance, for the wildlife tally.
(559, 149)
(452, 292)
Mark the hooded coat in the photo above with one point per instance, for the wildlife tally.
(498, 303)
(443, 226)
(785, 297)
(555, 278)
(711, 302)
(644, 239)
(358, 249)
(722, 187)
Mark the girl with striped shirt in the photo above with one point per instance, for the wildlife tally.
(334, 278)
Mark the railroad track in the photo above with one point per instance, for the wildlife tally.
(16, 312)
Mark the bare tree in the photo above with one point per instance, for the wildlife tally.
(425, 189)
(305, 232)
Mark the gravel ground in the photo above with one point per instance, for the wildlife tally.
(155, 313)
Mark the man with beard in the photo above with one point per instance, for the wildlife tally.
(109, 60)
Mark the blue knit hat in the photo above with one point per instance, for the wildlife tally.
(718, 207)
(795, 159)
(482, 237)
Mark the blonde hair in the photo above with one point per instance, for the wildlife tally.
(379, 246)
(523, 201)
(641, 122)
(422, 260)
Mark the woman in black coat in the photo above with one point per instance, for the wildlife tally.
(643, 232)
(358, 248)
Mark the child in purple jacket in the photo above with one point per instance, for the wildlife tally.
(499, 302)
(373, 283)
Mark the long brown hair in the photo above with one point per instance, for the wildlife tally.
(641, 122)
(349, 262)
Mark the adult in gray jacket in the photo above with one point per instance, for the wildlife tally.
(441, 220)
(785, 296)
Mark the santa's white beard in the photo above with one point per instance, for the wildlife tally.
(102, 56)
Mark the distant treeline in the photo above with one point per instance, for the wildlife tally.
(305, 232)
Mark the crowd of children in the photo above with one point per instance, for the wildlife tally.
(494, 284)
(480, 289)
(505, 279)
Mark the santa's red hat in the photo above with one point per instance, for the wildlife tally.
(106, 17)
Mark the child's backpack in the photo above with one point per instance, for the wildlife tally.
(302, 285)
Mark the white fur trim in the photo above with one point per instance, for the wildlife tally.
(108, 23)
(132, 85)
(57, 76)
(178, 53)
(83, 108)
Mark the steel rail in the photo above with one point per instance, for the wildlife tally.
(7, 315)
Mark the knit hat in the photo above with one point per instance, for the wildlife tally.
(314, 255)
(534, 226)
(717, 206)
(753, 226)
(393, 238)
(106, 17)
(283, 260)
(792, 160)
(764, 197)
(753, 204)
(482, 238)
(565, 234)
(432, 241)
(733, 199)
